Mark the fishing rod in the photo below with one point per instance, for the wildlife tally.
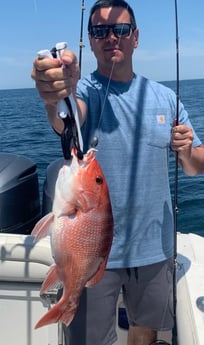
(81, 44)
(174, 331)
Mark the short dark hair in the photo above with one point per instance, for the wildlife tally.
(111, 3)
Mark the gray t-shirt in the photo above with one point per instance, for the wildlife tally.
(133, 123)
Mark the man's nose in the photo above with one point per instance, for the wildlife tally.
(111, 34)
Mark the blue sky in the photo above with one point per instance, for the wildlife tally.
(27, 26)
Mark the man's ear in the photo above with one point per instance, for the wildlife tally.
(90, 41)
(136, 38)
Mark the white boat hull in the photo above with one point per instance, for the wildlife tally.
(23, 267)
(190, 287)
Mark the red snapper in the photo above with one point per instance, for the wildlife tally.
(81, 230)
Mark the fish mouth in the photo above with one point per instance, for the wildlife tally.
(75, 164)
(72, 167)
(88, 157)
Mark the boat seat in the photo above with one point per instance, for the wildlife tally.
(23, 260)
(23, 267)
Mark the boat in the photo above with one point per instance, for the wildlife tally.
(23, 267)
(24, 264)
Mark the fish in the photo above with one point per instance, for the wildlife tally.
(80, 227)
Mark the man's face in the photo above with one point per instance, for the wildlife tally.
(112, 49)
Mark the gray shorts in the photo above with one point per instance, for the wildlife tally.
(147, 293)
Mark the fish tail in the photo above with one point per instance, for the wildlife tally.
(60, 312)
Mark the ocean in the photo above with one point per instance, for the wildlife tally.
(25, 131)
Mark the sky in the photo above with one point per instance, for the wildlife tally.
(27, 26)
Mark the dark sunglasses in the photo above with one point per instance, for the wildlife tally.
(119, 30)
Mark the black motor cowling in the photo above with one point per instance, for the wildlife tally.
(19, 194)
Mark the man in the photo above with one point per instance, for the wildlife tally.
(133, 120)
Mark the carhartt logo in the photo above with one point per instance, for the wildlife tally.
(161, 119)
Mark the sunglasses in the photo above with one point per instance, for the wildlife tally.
(120, 30)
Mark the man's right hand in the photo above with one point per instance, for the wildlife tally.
(54, 81)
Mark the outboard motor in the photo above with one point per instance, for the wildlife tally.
(19, 194)
(49, 185)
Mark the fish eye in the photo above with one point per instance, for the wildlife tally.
(99, 179)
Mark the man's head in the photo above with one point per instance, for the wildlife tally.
(111, 3)
(113, 36)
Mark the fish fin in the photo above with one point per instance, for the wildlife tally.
(51, 281)
(98, 275)
(42, 227)
(60, 312)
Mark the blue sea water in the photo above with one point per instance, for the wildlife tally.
(24, 130)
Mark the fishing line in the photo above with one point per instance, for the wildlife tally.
(95, 139)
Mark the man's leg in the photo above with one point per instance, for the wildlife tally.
(149, 301)
(140, 336)
(94, 322)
